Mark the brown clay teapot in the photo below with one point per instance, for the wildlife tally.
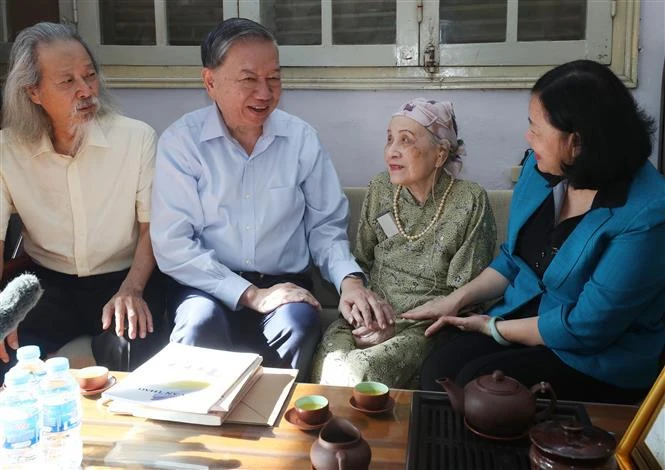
(498, 406)
(340, 447)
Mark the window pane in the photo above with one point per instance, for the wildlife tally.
(189, 21)
(468, 21)
(293, 22)
(20, 17)
(364, 22)
(551, 20)
(127, 22)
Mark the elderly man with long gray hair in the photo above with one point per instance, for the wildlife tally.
(80, 177)
(244, 197)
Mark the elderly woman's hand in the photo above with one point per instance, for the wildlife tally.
(365, 337)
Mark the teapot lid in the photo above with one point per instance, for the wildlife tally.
(499, 384)
(573, 441)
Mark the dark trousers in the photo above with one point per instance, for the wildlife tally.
(464, 356)
(71, 306)
(285, 337)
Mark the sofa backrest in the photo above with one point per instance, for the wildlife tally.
(326, 293)
(500, 202)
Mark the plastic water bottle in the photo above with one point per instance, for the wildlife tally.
(28, 359)
(20, 422)
(61, 416)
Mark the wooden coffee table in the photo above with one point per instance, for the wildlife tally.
(112, 441)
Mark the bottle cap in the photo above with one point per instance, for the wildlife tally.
(25, 353)
(57, 364)
(16, 376)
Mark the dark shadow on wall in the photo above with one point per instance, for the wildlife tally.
(661, 131)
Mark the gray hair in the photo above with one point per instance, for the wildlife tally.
(218, 42)
(26, 120)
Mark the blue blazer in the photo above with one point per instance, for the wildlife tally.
(602, 309)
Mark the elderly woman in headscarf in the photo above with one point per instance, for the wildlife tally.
(422, 234)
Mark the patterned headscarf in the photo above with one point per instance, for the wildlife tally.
(438, 117)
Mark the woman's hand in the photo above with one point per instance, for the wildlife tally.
(520, 331)
(366, 337)
(488, 285)
(474, 322)
(436, 309)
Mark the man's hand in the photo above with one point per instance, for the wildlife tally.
(361, 307)
(437, 309)
(366, 337)
(267, 300)
(130, 311)
(12, 342)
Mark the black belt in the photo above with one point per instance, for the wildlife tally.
(264, 281)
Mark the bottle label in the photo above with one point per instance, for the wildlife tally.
(61, 416)
(20, 431)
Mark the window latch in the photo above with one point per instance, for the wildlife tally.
(431, 62)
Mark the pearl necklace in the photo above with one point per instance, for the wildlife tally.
(400, 227)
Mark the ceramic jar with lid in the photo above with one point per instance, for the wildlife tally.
(558, 446)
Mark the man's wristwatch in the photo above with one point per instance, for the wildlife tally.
(357, 275)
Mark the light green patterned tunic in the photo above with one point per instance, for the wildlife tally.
(407, 274)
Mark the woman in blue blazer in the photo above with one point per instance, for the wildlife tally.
(581, 277)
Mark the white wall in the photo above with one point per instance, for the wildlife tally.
(352, 123)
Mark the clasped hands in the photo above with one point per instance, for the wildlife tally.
(371, 316)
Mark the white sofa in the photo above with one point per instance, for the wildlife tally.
(80, 354)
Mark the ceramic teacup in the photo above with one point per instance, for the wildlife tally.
(371, 395)
(312, 409)
(92, 378)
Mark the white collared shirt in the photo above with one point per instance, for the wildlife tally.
(81, 213)
(217, 210)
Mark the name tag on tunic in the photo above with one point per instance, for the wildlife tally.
(387, 224)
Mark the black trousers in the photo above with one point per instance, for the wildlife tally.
(71, 306)
(464, 356)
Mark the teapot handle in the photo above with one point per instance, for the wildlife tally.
(341, 459)
(545, 387)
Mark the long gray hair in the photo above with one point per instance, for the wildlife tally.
(26, 120)
(218, 41)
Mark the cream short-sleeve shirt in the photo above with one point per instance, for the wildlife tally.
(80, 213)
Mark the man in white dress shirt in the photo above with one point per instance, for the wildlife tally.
(245, 200)
(80, 177)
